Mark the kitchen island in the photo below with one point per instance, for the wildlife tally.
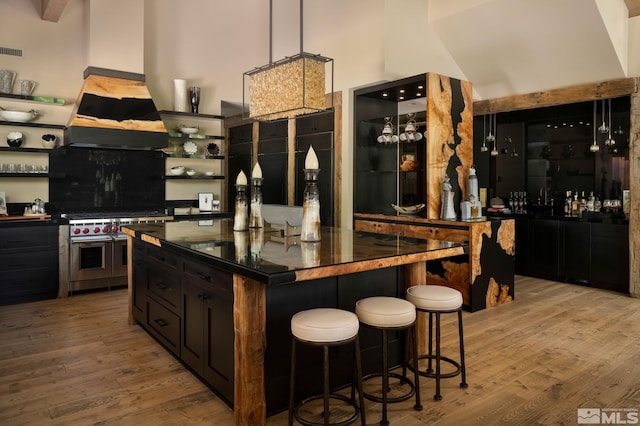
(197, 285)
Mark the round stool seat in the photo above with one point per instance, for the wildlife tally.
(434, 297)
(324, 325)
(383, 311)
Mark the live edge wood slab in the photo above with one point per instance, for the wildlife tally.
(485, 276)
(279, 263)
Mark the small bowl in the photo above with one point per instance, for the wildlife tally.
(191, 172)
(49, 141)
(14, 139)
(213, 148)
(187, 130)
(210, 173)
(18, 116)
(177, 170)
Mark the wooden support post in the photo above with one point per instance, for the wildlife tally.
(249, 324)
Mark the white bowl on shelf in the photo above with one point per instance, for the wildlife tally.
(187, 130)
(210, 173)
(18, 116)
(191, 172)
(177, 170)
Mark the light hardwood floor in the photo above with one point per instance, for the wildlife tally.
(556, 348)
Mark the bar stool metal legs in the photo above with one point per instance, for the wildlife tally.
(437, 300)
(310, 328)
(391, 314)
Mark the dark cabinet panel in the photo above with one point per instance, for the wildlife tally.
(273, 129)
(610, 257)
(314, 123)
(544, 247)
(522, 257)
(28, 264)
(595, 254)
(576, 242)
(240, 134)
(239, 159)
(273, 158)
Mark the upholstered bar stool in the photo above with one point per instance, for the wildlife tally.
(326, 327)
(388, 314)
(436, 300)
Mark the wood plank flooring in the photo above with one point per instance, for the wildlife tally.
(556, 348)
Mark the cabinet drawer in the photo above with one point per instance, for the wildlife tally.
(208, 277)
(31, 238)
(164, 284)
(314, 123)
(163, 258)
(29, 260)
(164, 324)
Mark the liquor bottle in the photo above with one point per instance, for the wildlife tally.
(583, 204)
(524, 202)
(591, 202)
(567, 204)
(575, 205)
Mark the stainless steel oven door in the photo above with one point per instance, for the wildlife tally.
(90, 259)
(120, 257)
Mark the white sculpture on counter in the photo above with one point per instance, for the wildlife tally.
(447, 211)
(472, 208)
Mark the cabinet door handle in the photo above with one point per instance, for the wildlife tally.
(161, 322)
(162, 286)
(203, 276)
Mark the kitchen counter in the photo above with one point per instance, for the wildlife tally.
(274, 277)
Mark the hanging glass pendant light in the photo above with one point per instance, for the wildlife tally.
(492, 138)
(594, 146)
(603, 127)
(609, 141)
(289, 87)
(484, 147)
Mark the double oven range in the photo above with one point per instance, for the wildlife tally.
(94, 249)
(96, 191)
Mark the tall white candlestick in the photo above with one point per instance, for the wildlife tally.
(241, 179)
(257, 172)
(311, 161)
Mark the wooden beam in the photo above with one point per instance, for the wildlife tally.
(567, 95)
(634, 7)
(51, 10)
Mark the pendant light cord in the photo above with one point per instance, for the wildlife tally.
(271, 29)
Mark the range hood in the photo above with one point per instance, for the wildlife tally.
(115, 110)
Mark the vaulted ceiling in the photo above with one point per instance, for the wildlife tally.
(519, 46)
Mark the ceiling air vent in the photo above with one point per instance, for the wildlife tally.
(9, 51)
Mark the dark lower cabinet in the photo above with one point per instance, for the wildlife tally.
(188, 307)
(522, 246)
(609, 262)
(28, 263)
(544, 247)
(207, 327)
(595, 254)
(575, 255)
